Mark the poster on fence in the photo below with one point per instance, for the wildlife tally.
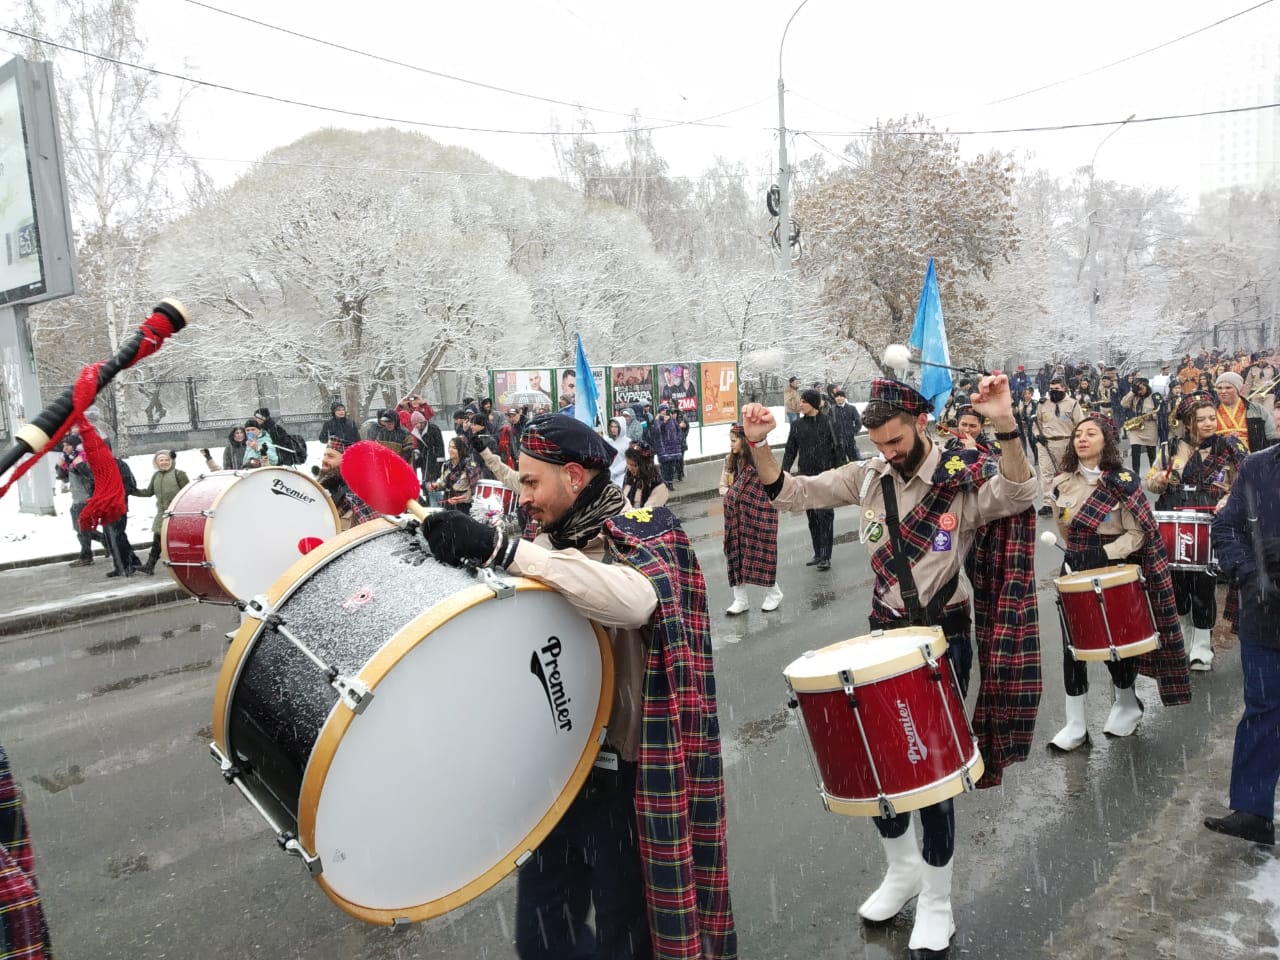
(567, 389)
(522, 388)
(719, 392)
(678, 386)
(631, 384)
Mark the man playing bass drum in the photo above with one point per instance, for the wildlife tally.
(1197, 471)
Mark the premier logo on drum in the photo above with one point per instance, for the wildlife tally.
(545, 665)
(916, 750)
(282, 489)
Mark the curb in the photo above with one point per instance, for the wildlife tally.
(64, 612)
(98, 552)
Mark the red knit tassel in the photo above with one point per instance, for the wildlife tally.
(107, 504)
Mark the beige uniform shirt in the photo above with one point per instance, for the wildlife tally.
(860, 483)
(1057, 421)
(619, 599)
(1070, 490)
(1147, 433)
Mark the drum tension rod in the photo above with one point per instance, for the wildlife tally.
(351, 691)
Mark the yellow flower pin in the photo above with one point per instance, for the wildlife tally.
(642, 514)
(1125, 476)
(954, 465)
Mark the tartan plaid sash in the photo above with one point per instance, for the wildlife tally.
(1225, 452)
(750, 531)
(680, 807)
(23, 933)
(1168, 663)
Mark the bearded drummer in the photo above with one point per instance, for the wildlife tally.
(1197, 471)
(643, 843)
(930, 504)
(1104, 519)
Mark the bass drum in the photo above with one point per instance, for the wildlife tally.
(411, 730)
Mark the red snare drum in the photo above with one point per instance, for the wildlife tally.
(885, 722)
(491, 501)
(1185, 534)
(1105, 613)
(229, 535)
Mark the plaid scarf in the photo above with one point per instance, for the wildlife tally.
(23, 933)
(1220, 453)
(1168, 663)
(1006, 611)
(581, 523)
(750, 531)
(680, 808)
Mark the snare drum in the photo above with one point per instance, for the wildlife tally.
(491, 501)
(885, 722)
(228, 535)
(410, 730)
(1185, 534)
(1105, 613)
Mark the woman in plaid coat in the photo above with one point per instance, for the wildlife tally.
(750, 528)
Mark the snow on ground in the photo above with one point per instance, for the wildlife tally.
(24, 536)
(1264, 889)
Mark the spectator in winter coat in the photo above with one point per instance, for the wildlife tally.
(495, 419)
(339, 425)
(638, 426)
(791, 400)
(617, 438)
(124, 561)
(847, 423)
(80, 477)
(277, 434)
(429, 450)
(392, 435)
(458, 481)
(812, 447)
(509, 436)
(667, 434)
(233, 454)
(1019, 381)
(165, 485)
(259, 450)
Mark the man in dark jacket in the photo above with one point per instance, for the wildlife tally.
(848, 424)
(339, 425)
(812, 447)
(279, 437)
(391, 435)
(1246, 543)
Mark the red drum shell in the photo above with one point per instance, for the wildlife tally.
(1122, 607)
(1185, 534)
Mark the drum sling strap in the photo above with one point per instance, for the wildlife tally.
(931, 614)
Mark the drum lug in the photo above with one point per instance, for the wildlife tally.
(353, 692)
(887, 811)
(523, 858)
(502, 587)
(966, 780)
(399, 923)
(846, 678)
(290, 845)
(604, 733)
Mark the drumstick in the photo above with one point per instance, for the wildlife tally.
(382, 480)
(1049, 538)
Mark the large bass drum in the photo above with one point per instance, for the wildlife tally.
(412, 731)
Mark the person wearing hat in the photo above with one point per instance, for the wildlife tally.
(922, 509)
(1144, 436)
(812, 448)
(1019, 381)
(1258, 376)
(389, 433)
(339, 425)
(1196, 472)
(1054, 423)
(1246, 542)
(666, 436)
(643, 843)
(352, 511)
(1240, 417)
(750, 528)
(1104, 518)
(259, 451)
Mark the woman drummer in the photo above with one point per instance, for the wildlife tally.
(1104, 518)
(1197, 471)
(458, 482)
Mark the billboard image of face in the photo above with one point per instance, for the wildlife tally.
(678, 387)
(632, 384)
(567, 386)
(522, 388)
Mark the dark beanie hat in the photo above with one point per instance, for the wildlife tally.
(262, 412)
(813, 398)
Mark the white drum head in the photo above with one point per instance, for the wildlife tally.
(433, 792)
(262, 523)
(867, 657)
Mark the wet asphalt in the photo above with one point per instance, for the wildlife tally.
(144, 852)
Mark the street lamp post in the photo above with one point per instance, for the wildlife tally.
(1092, 238)
(784, 171)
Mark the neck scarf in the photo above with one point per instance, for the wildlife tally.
(1091, 474)
(1233, 421)
(582, 522)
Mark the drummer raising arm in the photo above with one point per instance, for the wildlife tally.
(917, 472)
(648, 826)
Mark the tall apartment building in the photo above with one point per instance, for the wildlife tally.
(1242, 149)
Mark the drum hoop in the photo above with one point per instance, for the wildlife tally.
(213, 508)
(936, 792)
(242, 644)
(1191, 516)
(372, 673)
(873, 673)
(1125, 651)
(1082, 580)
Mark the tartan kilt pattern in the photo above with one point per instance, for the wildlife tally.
(750, 531)
(1167, 664)
(680, 807)
(23, 933)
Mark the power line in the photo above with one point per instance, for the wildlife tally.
(703, 121)
(434, 73)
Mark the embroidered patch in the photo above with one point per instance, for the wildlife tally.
(640, 514)
(954, 465)
(948, 522)
(941, 541)
(874, 532)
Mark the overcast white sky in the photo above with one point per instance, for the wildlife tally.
(845, 65)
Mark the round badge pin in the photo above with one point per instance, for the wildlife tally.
(869, 514)
(948, 522)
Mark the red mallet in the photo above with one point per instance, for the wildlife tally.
(381, 479)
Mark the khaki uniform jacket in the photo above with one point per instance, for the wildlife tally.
(1148, 434)
(1070, 490)
(791, 400)
(1057, 421)
(860, 483)
(615, 596)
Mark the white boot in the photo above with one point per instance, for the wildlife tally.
(934, 924)
(1075, 733)
(740, 602)
(772, 597)
(1125, 713)
(1201, 649)
(901, 882)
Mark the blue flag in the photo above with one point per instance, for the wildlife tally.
(929, 336)
(586, 407)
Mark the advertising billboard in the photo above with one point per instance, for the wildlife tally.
(522, 388)
(678, 386)
(630, 384)
(719, 391)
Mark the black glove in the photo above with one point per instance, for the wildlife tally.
(460, 541)
(479, 442)
(1090, 558)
